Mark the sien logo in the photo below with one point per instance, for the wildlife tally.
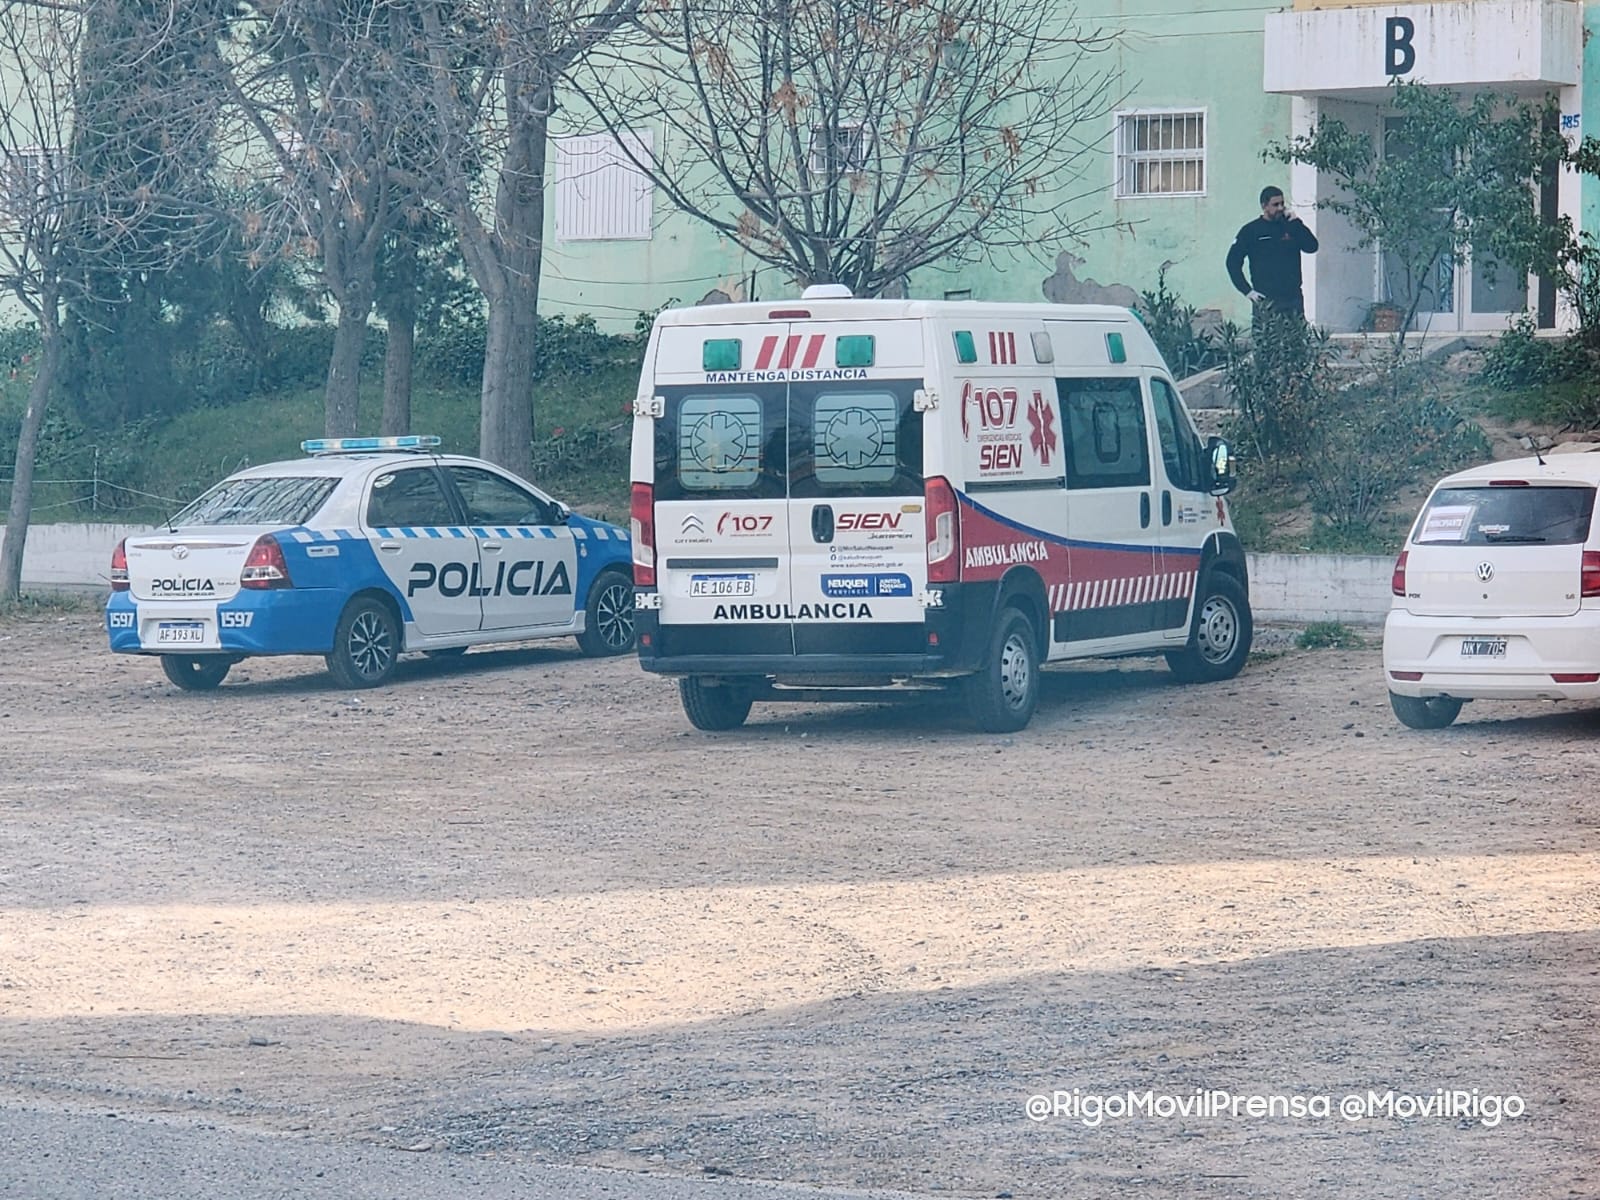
(866, 521)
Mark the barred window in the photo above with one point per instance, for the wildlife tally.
(1161, 153)
(30, 182)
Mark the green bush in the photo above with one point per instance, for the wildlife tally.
(1329, 635)
(1186, 348)
(1519, 359)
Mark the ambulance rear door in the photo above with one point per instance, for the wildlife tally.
(720, 487)
(857, 532)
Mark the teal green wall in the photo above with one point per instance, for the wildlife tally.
(1167, 59)
(1589, 189)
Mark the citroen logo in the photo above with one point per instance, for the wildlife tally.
(1485, 572)
(180, 552)
(692, 524)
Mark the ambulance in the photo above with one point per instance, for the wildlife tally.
(833, 497)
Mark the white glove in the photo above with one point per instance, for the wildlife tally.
(1254, 297)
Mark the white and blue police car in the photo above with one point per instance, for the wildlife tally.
(364, 549)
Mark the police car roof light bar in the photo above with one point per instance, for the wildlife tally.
(369, 444)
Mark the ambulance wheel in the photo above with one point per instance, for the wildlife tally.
(365, 645)
(713, 706)
(1219, 641)
(1425, 712)
(196, 672)
(1002, 696)
(608, 616)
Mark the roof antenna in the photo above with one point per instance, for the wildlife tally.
(1531, 442)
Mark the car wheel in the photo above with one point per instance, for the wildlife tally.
(1219, 640)
(714, 706)
(608, 616)
(1003, 695)
(196, 672)
(1425, 712)
(365, 645)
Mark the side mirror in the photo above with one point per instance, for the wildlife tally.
(1223, 479)
(562, 513)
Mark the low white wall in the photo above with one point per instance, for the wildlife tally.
(1291, 588)
(71, 556)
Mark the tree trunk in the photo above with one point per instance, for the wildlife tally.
(21, 511)
(342, 398)
(506, 434)
(397, 376)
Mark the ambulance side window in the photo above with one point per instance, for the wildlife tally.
(412, 496)
(1180, 445)
(1107, 443)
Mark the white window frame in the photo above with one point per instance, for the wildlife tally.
(27, 178)
(611, 171)
(852, 133)
(1124, 157)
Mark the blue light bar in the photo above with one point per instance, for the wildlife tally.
(411, 441)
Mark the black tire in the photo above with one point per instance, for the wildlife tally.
(365, 645)
(196, 672)
(1220, 635)
(1425, 712)
(714, 706)
(608, 616)
(1003, 695)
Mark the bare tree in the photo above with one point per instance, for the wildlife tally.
(496, 67)
(62, 227)
(853, 141)
(319, 90)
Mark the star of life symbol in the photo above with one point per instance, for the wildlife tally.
(719, 442)
(1043, 420)
(854, 438)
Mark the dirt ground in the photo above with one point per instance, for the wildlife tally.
(513, 905)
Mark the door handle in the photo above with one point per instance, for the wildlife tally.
(494, 546)
(389, 547)
(822, 523)
(1166, 508)
(1144, 510)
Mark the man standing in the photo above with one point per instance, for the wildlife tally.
(1272, 244)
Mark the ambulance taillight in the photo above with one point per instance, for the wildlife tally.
(944, 531)
(642, 521)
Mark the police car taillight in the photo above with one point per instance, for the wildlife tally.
(944, 531)
(265, 567)
(642, 520)
(119, 567)
(1397, 581)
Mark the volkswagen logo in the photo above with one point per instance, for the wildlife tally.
(180, 552)
(1485, 572)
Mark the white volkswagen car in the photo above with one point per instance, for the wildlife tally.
(1497, 592)
(366, 548)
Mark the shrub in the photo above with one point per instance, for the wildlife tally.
(1186, 348)
(1329, 635)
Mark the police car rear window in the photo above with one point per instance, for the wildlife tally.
(260, 500)
(1488, 516)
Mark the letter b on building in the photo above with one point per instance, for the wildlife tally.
(1399, 54)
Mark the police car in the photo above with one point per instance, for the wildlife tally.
(364, 549)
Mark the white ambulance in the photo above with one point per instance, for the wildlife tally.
(835, 495)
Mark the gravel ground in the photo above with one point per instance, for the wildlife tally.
(514, 907)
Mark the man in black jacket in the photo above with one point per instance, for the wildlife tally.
(1272, 244)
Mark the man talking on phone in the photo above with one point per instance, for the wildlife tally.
(1272, 245)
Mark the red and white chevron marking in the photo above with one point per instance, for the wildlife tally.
(1110, 593)
(791, 350)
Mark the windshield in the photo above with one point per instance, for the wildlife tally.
(260, 500)
(1487, 516)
